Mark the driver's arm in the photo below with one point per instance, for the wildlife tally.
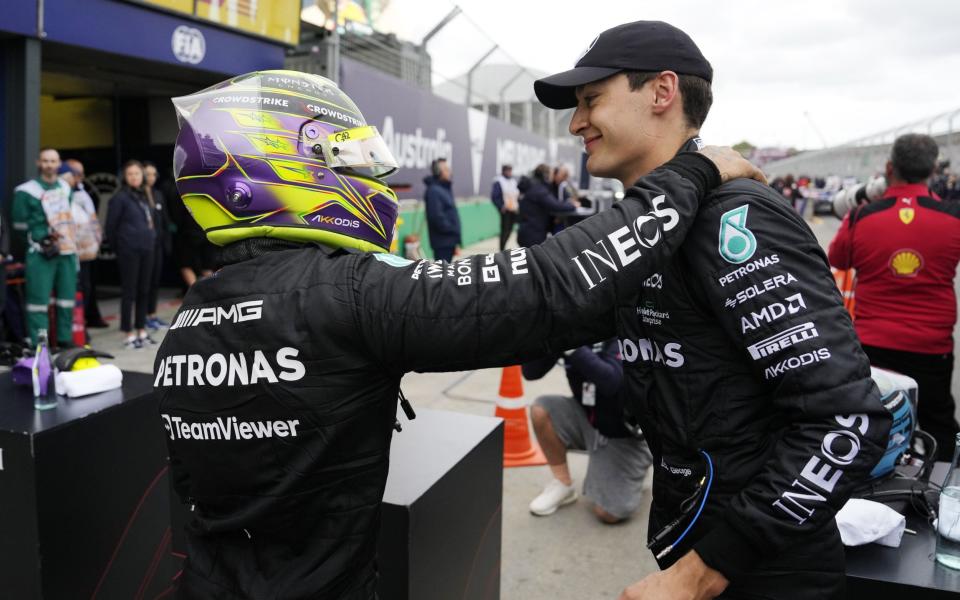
(523, 303)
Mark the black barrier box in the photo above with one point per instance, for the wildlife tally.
(441, 529)
(84, 507)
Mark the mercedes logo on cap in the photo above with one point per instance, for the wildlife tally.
(589, 48)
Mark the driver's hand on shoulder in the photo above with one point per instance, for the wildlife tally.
(731, 164)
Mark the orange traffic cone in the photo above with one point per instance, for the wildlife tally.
(79, 325)
(519, 449)
(847, 282)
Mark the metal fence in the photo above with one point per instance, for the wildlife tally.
(866, 156)
(404, 60)
(445, 51)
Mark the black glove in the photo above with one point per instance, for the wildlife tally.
(49, 248)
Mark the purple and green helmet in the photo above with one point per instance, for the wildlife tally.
(285, 155)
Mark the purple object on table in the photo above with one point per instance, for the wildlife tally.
(22, 371)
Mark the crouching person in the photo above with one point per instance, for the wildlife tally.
(591, 420)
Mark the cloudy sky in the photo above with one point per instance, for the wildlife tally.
(783, 70)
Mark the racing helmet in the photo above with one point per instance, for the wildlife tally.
(898, 393)
(286, 155)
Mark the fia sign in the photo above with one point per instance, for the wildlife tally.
(188, 44)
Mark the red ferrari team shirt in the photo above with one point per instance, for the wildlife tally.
(905, 249)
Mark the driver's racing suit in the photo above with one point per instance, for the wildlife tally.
(278, 380)
(739, 347)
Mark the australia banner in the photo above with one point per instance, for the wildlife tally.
(420, 127)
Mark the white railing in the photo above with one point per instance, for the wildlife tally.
(867, 156)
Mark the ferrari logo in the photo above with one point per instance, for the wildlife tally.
(906, 215)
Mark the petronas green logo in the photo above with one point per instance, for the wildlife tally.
(737, 243)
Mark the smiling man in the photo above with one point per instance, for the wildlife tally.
(748, 380)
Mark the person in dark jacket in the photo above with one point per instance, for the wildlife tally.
(132, 235)
(443, 220)
(506, 197)
(88, 276)
(538, 207)
(195, 256)
(592, 420)
(162, 244)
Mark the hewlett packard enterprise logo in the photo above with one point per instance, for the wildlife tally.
(784, 339)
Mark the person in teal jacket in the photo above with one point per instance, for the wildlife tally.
(43, 221)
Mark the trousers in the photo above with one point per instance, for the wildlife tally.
(43, 277)
(507, 221)
(136, 269)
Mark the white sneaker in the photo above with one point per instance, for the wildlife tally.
(555, 495)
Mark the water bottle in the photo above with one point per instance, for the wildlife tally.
(948, 522)
(41, 375)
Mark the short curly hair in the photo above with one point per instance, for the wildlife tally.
(914, 157)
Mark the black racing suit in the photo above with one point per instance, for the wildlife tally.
(278, 380)
(740, 347)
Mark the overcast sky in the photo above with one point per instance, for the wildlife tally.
(782, 69)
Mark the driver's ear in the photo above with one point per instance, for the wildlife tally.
(666, 91)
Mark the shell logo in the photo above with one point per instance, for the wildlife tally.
(906, 263)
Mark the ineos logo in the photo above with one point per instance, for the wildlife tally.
(188, 44)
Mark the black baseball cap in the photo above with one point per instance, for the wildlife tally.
(639, 46)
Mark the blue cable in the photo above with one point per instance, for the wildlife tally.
(703, 503)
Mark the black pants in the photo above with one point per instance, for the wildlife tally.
(936, 407)
(136, 269)
(507, 221)
(155, 273)
(87, 285)
(443, 253)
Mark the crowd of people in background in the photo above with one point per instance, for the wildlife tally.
(944, 182)
(62, 232)
(801, 191)
(536, 205)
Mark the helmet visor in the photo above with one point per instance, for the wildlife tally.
(361, 150)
